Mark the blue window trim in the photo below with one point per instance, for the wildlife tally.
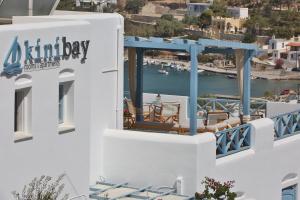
(289, 193)
(61, 104)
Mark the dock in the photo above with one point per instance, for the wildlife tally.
(267, 74)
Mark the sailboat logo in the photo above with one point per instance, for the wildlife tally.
(12, 60)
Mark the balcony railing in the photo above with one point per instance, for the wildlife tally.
(233, 140)
(287, 124)
(257, 108)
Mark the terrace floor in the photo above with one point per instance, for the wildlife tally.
(105, 191)
(169, 113)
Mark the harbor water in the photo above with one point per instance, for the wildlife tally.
(177, 83)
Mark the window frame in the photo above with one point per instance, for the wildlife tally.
(66, 106)
(22, 127)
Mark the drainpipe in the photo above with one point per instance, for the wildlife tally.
(30, 7)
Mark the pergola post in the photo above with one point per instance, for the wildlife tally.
(193, 89)
(247, 86)
(139, 85)
(239, 61)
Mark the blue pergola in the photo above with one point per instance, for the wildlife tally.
(193, 48)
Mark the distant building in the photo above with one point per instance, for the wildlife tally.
(294, 52)
(238, 12)
(100, 4)
(228, 25)
(196, 9)
(288, 50)
(277, 47)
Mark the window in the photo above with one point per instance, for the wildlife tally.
(282, 45)
(289, 193)
(66, 107)
(22, 114)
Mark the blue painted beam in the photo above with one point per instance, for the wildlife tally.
(247, 84)
(158, 46)
(226, 44)
(193, 89)
(139, 85)
(178, 44)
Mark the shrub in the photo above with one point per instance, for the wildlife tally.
(268, 94)
(168, 17)
(166, 28)
(279, 64)
(215, 190)
(134, 6)
(42, 189)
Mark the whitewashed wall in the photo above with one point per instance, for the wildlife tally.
(106, 77)
(277, 108)
(158, 159)
(98, 93)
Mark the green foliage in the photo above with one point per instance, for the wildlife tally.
(249, 38)
(205, 19)
(268, 94)
(207, 58)
(219, 8)
(215, 190)
(110, 8)
(256, 23)
(134, 6)
(167, 28)
(42, 188)
(265, 21)
(198, 1)
(190, 20)
(283, 32)
(168, 17)
(142, 30)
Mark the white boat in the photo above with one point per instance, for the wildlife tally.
(231, 76)
(179, 67)
(166, 64)
(163, 71)
(173, 65)
(200, 71)
(152, 62)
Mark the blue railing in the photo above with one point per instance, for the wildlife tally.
(257, 107)
(287, 124)
(233, 140)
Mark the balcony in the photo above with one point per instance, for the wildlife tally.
(229, 120)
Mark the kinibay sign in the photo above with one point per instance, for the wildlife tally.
(41, 57)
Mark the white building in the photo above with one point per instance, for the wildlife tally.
(238, 12)
(277, 46)
(288, 50)
(196, 9)
(53, 108)
(61, 112)
(293, 54)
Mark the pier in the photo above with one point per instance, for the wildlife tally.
(267, 74)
